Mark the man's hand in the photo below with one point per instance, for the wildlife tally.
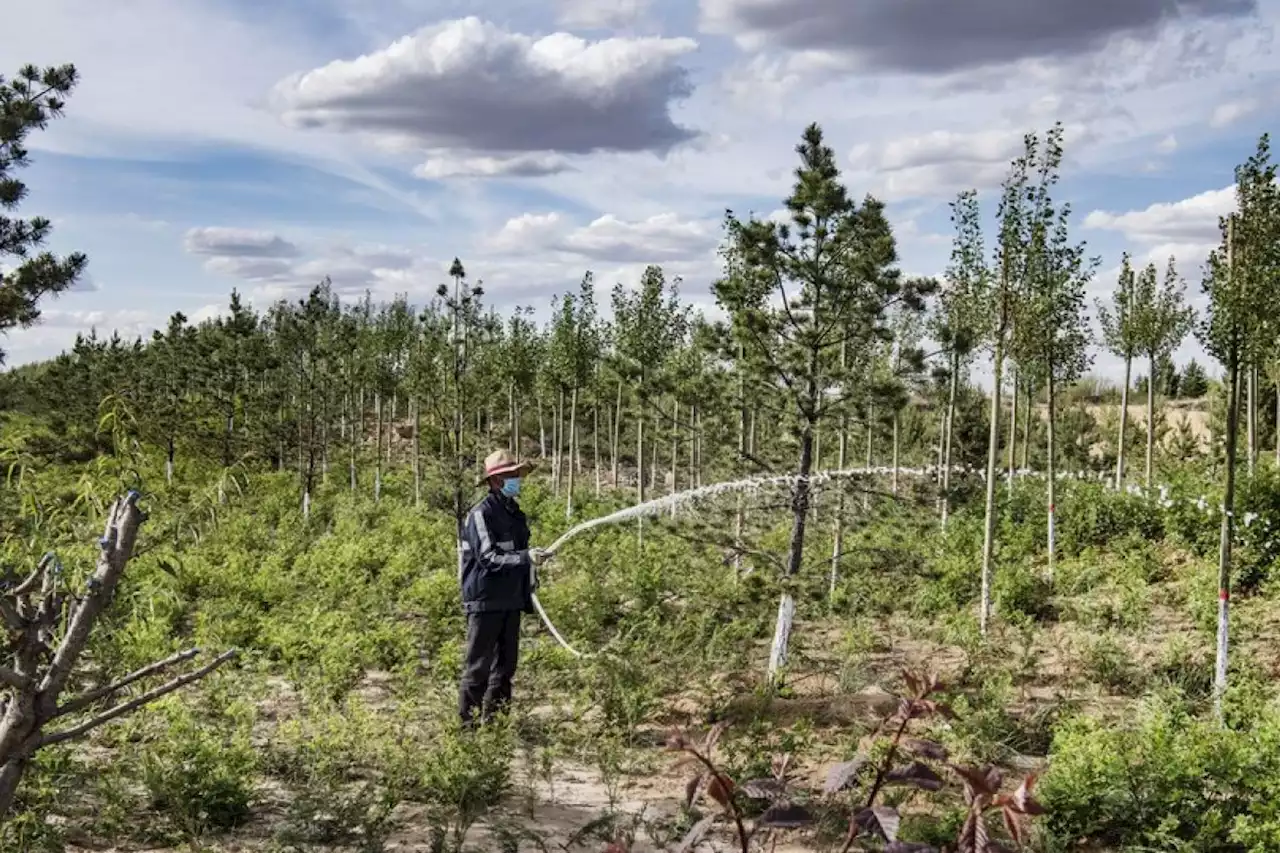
(537, 557)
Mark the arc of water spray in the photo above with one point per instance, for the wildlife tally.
(668, 502)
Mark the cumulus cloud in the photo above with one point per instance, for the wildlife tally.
(445, 164)
(931, 36)
(657, 239)
(1189, 221)
(238, 242)
(469, 85)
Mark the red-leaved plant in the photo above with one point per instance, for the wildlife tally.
(907, 761)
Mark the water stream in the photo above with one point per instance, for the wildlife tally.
(666, 503)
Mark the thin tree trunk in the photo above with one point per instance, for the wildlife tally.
(324, 440)
(1051, 469)
(896, 450)
(697, 418)
(1124, 422)
(948, 433)
(1013, 428)
(993, 457)
(1026, 427)
(513, 437)
(675, 449)
(693, 446)
(1225, 541)
(517, 426)
(417, 451)
(640, 459)
(557, 443)
(168, 462)
(866, 493)
(352, 442)
(842, 452)
(573, 452)
(595, 434)
(1151, 421)
(653, 456)
(1252, 414)
(739, 516)
(800, 518)
(617, 436)
(1278, 422)
(1228, 511)
(542, 432)
(377, 453)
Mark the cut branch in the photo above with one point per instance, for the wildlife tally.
(134, 704)
(80, 703)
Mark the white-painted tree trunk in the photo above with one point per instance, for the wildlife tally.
(781, 638)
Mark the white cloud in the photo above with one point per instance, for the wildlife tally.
(1189, 221)
(445, 164)
(1232, 111)
(657, 239)
(471, 86)
(1168, 145)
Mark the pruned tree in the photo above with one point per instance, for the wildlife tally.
(48, 628)
(1240, 276)
(1162, 320)
(1120, 334)
(799, 292)
(28, 102)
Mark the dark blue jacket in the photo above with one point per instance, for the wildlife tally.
(494, 565)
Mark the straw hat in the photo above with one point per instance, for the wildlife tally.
(501, 462)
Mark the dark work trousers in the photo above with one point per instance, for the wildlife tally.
(489, 663)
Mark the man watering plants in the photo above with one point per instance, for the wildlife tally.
(498, 574)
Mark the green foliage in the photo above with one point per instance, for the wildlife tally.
(199, 773)
(1168, 780)
(28, 102)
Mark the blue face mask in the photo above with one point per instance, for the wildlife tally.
(511, 487)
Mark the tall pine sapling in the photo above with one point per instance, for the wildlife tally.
(801, 291)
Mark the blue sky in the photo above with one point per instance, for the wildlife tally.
(259, 146)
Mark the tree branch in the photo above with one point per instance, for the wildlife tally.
(82, 702)
(134, 704)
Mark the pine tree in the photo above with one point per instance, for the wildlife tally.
(801, 291)
(28, 102)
